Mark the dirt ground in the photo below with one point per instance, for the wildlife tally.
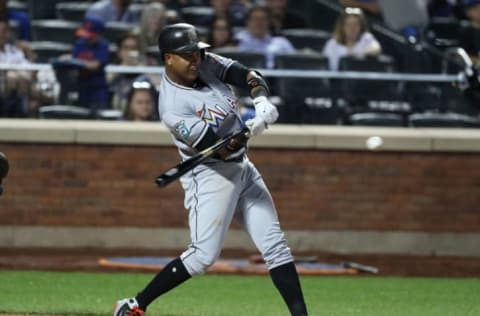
(87, 260)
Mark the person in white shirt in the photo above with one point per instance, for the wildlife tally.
(257, 37)
(350, 37)
(11, 54)
(13, 83)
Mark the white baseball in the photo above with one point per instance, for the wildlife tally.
(374, 142)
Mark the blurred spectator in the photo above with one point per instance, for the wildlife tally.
(91, 52)
(112, 11)
(257, 36)
(34, 89)
(282, 17)
(470, 36)
(18, 16)
(141, 104)
(220, 34)
(173, 7)
(129, 53)
(152, 21)
(369, 6)
(233, 10)
(350, 37)
(24, 35)
(14, 84)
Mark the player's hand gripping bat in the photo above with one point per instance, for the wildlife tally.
(179, 170)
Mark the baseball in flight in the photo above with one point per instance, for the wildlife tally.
(374, 142)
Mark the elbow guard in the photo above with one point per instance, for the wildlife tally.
(257, 85)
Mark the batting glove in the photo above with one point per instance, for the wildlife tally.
(256, 125)
(265, 109)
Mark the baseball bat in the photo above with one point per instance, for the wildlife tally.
(179, 170)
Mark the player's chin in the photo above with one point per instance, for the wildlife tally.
(193, 71)
(192, 75)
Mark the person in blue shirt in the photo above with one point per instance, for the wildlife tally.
(91, 50)
(257, 37)
(112, 11)
(21, 18)
(24, 24)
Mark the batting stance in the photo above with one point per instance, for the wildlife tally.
(198, 107)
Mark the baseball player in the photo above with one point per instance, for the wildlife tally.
(198, 107)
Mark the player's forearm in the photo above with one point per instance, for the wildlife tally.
(240, 76)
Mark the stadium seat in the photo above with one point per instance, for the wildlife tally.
(453, 100)
(443, 120)
(64, 112)
(376, 119)
(17, 5)
(249, 59)
(380, 63)
(45, 51)
(198, 15)
(293, 87)
(72, 11)
(67, 74)
(323, 110)
(44, 9)
(307, 38)
(356, 92)
(54, 30)
(442, 32)
(308, 100)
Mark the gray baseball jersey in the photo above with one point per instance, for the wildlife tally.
(217, 191)
(188, 112)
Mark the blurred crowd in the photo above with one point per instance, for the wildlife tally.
(243, 25)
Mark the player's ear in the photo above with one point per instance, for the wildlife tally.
(168, 59)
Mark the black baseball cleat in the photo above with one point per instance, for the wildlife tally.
(127, 307)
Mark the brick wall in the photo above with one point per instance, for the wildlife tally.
(100, 185)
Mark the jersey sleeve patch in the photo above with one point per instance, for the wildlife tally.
(182, 129)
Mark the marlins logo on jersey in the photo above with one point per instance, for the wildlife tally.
(213, 117)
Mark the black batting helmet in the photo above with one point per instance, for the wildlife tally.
(180, 38)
